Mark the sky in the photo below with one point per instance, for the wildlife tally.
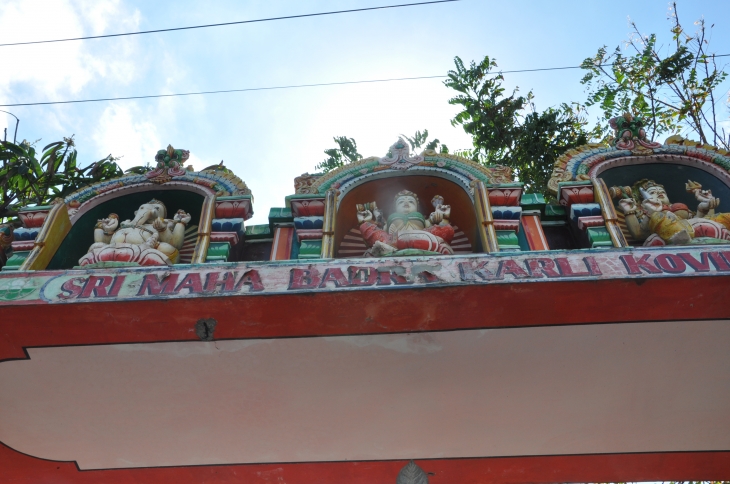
(269, 137)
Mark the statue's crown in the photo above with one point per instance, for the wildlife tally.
(406, 193)
(644, 184)
(647, 184)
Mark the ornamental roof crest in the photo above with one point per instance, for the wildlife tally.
(630, 134)
(169, 165)
(398, 156)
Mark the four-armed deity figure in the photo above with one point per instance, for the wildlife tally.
(148, 239)
(406, 228)
(651, 217)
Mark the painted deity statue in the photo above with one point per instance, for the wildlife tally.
(651, 217)
(148, 239)
(406, 232)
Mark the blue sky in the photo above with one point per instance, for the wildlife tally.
(269, 137)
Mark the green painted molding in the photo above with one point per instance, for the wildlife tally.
(310, 249)
(599, 237)
(507, 240)
(218, 251)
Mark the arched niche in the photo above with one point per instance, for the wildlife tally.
(383, 192)
(672, 172)
(124, 201)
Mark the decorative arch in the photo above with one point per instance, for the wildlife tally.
(320, 196)
(581, 175)
(207, 193)
(197, 238)
(47, 228)
(221, 183)
(588, 161)
(399, 162)
(348, 240)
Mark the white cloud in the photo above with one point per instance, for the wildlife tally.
(123, 131)
(51, 70)
(68, 69)
(198, 163)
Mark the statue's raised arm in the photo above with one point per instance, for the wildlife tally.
(147, 239)
(407, 231)
(653, 219)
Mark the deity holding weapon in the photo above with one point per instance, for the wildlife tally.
(652, 218)
(407, 231)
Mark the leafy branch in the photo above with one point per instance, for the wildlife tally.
(671, 92)
(29, 177)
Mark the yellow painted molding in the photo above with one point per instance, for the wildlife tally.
(55, 228)
(207, 215)
(328, 224)
(601, 195)
(487, 232)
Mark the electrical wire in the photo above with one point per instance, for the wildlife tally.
(223, 24)
(294, 86)
(271, 88)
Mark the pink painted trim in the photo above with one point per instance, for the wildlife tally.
(310, 207)
(230, 237)
(309, 234)
(593, 221)
(34, 218)
(509, 197)
(513, 225)
(23, 245)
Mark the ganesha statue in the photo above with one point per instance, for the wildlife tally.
(407, 231)
(652, 218)
(149, 239)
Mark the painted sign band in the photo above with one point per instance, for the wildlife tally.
(356, 274)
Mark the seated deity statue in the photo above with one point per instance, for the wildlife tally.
(652, 218)
(406, 232)
(148, 239)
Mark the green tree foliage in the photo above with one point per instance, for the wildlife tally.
(346, 152)
(420, 140)
(29, 177)
(672, 91)
(541, 139)
(506, 129)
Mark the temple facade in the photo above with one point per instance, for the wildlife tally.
(409, 318)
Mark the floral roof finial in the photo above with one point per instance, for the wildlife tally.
(629, 132)
(398, 156)
(169, 165)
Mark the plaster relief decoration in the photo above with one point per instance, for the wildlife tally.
(169, 165)
(222, 182)
(149, 239)
(631, 146)
(407, 231)
(398, 156)
(304, 182)
(652, 218)
(630, 134)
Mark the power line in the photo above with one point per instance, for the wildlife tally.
(271, 88)
(223, 24)
(294, 86)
